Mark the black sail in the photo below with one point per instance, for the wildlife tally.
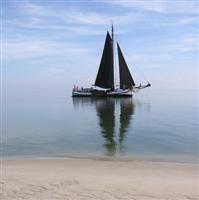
(105, 76)
(126, 80)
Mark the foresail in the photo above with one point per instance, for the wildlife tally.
(105, 76)
(126, 80)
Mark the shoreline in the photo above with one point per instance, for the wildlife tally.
(83, 178)
(161, 159)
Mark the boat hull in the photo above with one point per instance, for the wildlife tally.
(102, 93)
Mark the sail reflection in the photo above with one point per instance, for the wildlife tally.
(127, 109)
(114, 117)
(105, 110)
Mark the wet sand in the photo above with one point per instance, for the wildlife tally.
(90, 179)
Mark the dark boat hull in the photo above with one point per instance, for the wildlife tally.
(102, 93)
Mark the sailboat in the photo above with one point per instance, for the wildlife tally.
(104, 84)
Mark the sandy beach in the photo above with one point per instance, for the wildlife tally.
(86, 179)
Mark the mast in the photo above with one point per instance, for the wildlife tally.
(112, 30)
(112, 40)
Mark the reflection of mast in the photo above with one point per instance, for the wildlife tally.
(126, 111)
(105, 111)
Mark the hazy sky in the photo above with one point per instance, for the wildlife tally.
(50, 45)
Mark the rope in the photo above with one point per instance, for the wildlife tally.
(139, 71)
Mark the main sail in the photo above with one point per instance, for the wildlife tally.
(105, 76)
(126, 80)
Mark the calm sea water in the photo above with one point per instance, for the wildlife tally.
(154, 125)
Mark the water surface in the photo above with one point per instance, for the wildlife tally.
(154, 125)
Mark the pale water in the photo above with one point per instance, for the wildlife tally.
(154, 125)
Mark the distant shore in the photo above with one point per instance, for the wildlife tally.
(101, 179)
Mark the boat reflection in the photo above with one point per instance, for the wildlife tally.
(114, 133)
(105, 110)
(114, 116)
(127, 109)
